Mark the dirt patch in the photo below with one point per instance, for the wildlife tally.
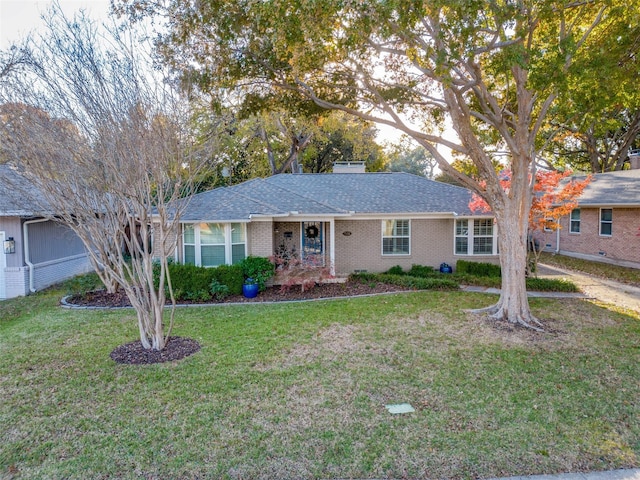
(134, 353)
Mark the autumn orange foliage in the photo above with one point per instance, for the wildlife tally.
(552, 199)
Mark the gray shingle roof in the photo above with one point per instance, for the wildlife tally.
(613, 189)
(329, 194)
(17, 195)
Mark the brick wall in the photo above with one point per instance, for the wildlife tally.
(622, 246)
(431, 244)
(260, 239)
(46, 274)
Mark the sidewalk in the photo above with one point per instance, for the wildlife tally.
(632, 474)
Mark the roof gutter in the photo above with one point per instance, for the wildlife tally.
(27, 253)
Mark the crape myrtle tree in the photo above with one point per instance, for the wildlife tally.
(555, 196)
(494, 68)
(104, 143)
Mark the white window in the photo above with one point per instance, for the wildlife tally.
(475, 237)
(213, 244)
(574, 226)
(396, 237)
(606, 222)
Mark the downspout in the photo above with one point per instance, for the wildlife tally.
(27, 254)
(558, 239)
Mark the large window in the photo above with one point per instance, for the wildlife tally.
(574, 225)
(606, 221)
(396, 237)
(213, 244)
(475, 237)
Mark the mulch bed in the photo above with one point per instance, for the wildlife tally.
(134, 353)
(101, 298)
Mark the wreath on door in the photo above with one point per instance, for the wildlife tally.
(312, 231)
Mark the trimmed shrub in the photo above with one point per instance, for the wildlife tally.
(433, 283)
(395, 270)
(190, 282)
(230, 276)
(551, 285)
(479, 269)
(422, 271)
(258, 268)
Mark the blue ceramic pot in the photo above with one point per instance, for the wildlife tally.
(250, 290)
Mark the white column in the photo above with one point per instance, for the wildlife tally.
(332, 246)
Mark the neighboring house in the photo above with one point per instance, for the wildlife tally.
(35, 252)
(350, 221)
(605, 225)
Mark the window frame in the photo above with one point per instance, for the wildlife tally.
(228, 242)
(471, 236)
(605, 222)
(393, 229)
(573, 221)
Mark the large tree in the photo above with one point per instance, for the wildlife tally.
(105, 146)
(493, 68)
(596, 121)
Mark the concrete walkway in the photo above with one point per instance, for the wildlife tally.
(607, 291)
(632, 474)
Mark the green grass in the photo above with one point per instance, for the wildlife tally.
(298, 391)
(598, 269)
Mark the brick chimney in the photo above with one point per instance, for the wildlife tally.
(349, 167)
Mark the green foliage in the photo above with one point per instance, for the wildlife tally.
(218, 290)
(416, 283)
(230, 276)
(259, 269)
(551, 285)
(422, 271)
(82, 283)
(395, 270)
(191, 282)
(478, 269)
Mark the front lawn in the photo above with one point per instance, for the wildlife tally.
(299, 391)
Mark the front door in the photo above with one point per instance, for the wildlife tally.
(313, 243)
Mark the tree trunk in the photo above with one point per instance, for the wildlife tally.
(513, 304)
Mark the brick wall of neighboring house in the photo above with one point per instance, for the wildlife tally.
(622, 246)
(45, 274)
(260, 239)
(16, 281)
(54, 271)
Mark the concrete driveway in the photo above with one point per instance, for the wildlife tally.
(607, 291)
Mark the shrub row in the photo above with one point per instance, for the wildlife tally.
(194, 283)
(417, 283)
(420, 271)
(478, 269)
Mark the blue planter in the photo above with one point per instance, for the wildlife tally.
(444, 268)
(250, 290)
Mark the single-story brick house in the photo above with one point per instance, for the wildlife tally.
(605, 225)
(35, 252)
(352, 221)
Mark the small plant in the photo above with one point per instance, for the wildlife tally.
(395, 270)
(219, 290)
(258, 268)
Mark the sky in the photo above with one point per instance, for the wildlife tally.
(18, 17)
